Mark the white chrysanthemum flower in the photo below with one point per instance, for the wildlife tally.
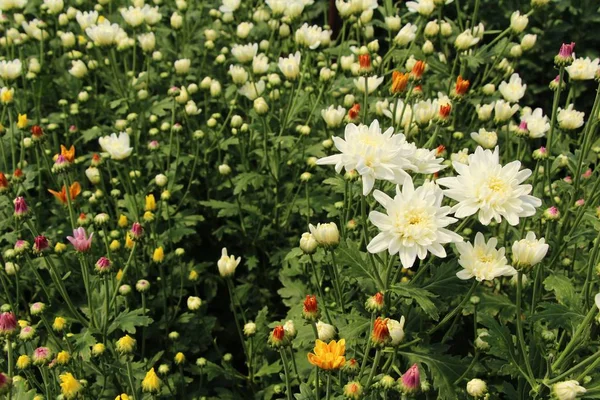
(117, 146)
(290, 65)
(252, 90)
(423, 7)
(518, 22)
(407, 34)
(461, 157)
(10, 70)
(537, 123)
(260, 64)
(414, 224)
(567, 390)
(396, 329)
(7, 5)
(370, 84)
(425, 111)
(403, 115)
(484, 138)
(244, 53)
(484, 111)
(230, 6)
(86, 19)
(54, 6)
(583, 69)
(325, 331)
(513, 90)
(33, 29)
(503, 111)
(424, 161)
(529, 251)
(332, 116)
(277, 6)
(570, 119)
(147, 41)
(133, 16)
(152, 15)
(466, 40)
(326, 234)
(349, 7)
(227, 264)
(238, 74)
(373, 154)
(482, 260)
(105, 33)
(490, 189)
(312, 36)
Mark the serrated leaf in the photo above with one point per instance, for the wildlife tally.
(563, 289)
(269, 369)
(348, 255)
(421, 296)
(127, 321)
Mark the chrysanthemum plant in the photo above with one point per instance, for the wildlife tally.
(404, 225)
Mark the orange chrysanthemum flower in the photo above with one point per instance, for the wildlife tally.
(364, 61)
(353, 112)
(74, 191)
(399, 82)
(328, 356)
(418, 69)
(69, 154)
(381, 332)
(462, 85)
(445, 111)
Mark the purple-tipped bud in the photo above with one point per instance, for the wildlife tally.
(565, 54)
(103, 265)
(8, 323)
(411, 380)
(136, 230)
(21, 246)
(40, 244)
(21, 209)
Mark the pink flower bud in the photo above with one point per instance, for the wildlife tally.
(136, 230)
(8, 323)
(21, 208)
(103, 265)
(40, 244)
(411, 380)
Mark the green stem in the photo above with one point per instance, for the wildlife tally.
(130, 377)
(373, 369)
(576, 338)
(328, 395)
(286, 371)
(454, 312)
(320, 290)
(521, 337)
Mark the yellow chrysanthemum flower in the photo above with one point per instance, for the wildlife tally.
(179, 358)
(122, 396)
(119, 275)
(193, 276)
(23, 361)
(98, 349)
(150, 203)
(151, 382)
(125, 344)
(69, 386)
(128, 241)
(159, 255)
(59, 324)
(60, 247)
(123, 221)
(22, 121)
(328, 356)
(115, 245)
(63, 357)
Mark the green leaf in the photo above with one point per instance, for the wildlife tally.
(269, 369)
(421, 296)
(444, 369)
(563, 289)
(127, 321)
(245, 179)
(225, 209)
(348, 255)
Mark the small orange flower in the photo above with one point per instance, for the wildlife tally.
(440, 150)
(381, 332)
(445, 111)
(418, 69)
(462, 85)
(310, 309)
(353, 112)
(3, 183)
(364, 61)
(328, 356)
(69, 154)
(74, 191)
(399, 82)
(18, 174)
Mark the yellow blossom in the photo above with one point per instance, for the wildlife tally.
(69, 386)
(98, 349)
(122, 396)
(129, 241)
(179, 358)
(150, 203)
(23, 361)
(59, 324)
(115, 245)
(125, 344)
(119, 275)
(148, 216)
(6, 95)
(328, 356)
(60, 247)
(22, 121)
(151, 382)
(63, 357)
(193, 276)
(159, 255)
(22, 323)
(123, 221)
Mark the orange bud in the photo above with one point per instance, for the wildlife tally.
(418, 69)
(353, 112)
(399, 82)
(381, 333)
(462, 85)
